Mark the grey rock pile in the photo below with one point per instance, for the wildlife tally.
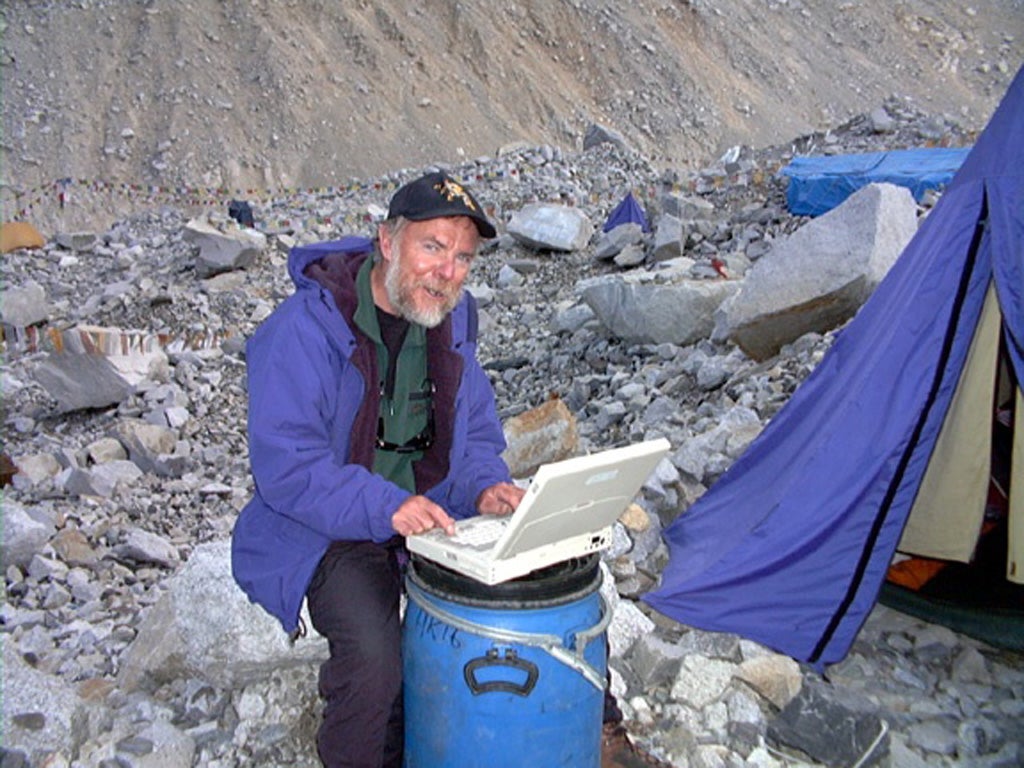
(125, 641)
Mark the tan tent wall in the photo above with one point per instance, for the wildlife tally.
(1015, 556)
(946, 518)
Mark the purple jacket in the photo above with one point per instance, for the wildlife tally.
(312, 425)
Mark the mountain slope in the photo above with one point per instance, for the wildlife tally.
(308, 92)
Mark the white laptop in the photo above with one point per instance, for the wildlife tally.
(567, 512)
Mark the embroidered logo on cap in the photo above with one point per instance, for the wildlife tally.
(452, 190)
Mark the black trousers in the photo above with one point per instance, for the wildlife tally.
(354, 603)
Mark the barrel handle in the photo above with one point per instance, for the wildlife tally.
(552, 644)
(491, 659)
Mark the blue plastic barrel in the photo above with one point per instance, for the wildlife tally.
(509, 676)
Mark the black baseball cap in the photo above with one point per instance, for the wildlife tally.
(438, 194)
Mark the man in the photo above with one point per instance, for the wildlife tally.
(370, 419)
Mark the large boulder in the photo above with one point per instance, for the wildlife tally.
(643, 311)
(43, 717)
(223, 246)
(22, 535)
(547, 226)
(205, 627)
(598, 134)
(819, 276)
(93, 367)
(24, 305)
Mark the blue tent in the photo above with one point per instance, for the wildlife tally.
(792, 544)
(628, 211)
(819, 184)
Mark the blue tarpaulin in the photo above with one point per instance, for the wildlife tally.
(790, 547)
(819, 184)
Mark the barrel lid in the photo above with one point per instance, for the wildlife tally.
(555, 583)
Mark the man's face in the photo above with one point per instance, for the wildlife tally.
(424, 267)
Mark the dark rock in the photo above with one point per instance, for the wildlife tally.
(829, 731)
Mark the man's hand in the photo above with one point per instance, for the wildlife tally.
(418, 514)
(499, 499)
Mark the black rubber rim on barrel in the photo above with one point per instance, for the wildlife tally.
(555, 585)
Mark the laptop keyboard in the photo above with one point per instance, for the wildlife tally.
(480, 531)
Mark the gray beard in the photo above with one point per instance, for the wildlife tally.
(429, 318)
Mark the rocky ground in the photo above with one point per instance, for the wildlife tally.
(77, 597)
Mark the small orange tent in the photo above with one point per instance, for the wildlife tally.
(19, 234)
